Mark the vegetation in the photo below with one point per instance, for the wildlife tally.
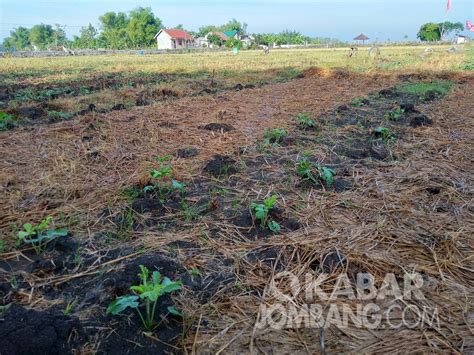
(274, 136)
(315, 173)
(421, 89)
(304, 120)
(261, 211)
(432, 32)
(395, 115)
(384, 133)
(38, 236)
(7, 121)
(146, 294)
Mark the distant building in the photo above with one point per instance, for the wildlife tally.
(362, 37)
(462, 39)
(247, 40)
(232, 34)
(202, 42)
(174, 39)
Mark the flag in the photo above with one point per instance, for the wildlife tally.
(450, 5)
(469, 26)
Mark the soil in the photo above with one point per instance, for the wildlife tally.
(218, 127)
(187, 152)
(208, 228)
(220, 165)
(24, 331)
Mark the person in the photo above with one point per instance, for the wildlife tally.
(353, 51)
(266, 50)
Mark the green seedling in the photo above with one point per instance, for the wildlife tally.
(69, 307)
(394, 115)
(6, 121)
(163, 158)
(176, 185)
(305, 168)
(274, 136)
(326, 174)
(358, 102)
(58, 115)
(304, 120)
(315, 172)
(261, 211)
(194, 272)
(146, 294)
(38, 236)
(161, 172)
(384, 133)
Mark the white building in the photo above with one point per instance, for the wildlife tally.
(174, 39)
(462, 39)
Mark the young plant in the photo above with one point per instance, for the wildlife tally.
(315, 172)
(384, 133)
(394, 115)
(304, 168)
(261, 211)
(305, 121)
(6, 121)
(38, 236)
(326, 174)
(146, 294)
(59, 116)
(358, 101)
(274, 136)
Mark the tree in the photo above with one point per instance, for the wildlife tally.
(449, 27)
(429, 32)
(58, 37)
(114, 33)
(234, 25)
(87, 38)
(215, 39)
(19, 39)
(142, 27)
(41, 35)
(204, 30)
(233, 43)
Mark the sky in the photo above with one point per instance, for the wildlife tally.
(342, 19)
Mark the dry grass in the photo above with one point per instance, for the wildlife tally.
(387, 222)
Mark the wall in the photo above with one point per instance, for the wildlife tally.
(164, 41)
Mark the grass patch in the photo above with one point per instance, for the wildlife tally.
(441, 88)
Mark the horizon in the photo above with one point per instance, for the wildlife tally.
(379, 20)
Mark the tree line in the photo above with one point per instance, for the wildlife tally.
(433, 32)
(134, 30)
(119, 30)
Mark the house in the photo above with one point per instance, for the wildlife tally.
(221, 35)
(462, 39)
(202, 42)
(232, 34)
(174, 39)
(247, 40)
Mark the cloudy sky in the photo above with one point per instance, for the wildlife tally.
(343, 19)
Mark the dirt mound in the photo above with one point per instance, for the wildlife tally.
(220, 165)
(316, 72)
(218, 127)
(25, 331)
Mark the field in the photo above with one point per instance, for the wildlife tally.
(235, 177)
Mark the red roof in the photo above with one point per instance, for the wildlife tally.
(178, 34)
(221, 35)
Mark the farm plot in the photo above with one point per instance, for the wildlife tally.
(170, 221)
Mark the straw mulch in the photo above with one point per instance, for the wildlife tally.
(387, 222)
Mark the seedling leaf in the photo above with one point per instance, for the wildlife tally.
(121, 304)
